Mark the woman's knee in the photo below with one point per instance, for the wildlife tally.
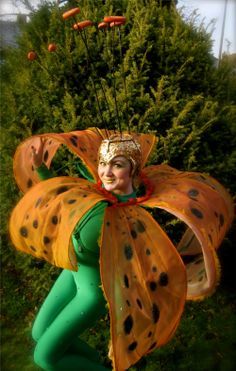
(42, 357)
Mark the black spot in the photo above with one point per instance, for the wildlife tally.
(155, 313)
(24, 232)
(198, 261)
(200, 279)
(85, 195)
(197, 213)
(126, 281)
(29, 183)
(108, 224)
(140, 226)
(45, 252)
(73, 140)
(210, 238)
(46, 240)
(153, 285)
(32, 248)
(128, 303)
(203, 178)
(32, 168)
(62, 189)
(149, 334)
(154, 269)
(39, 200)
(50, 142)
(193, 192)
(153, 345)
(133, 346)
(35, 224)
(222, 220)
(139, 303)
(128, 252)
(163, 279)
(45, 157)
(148, 252)
(128, 324)
(72, 201)
(133, 233)
(83, 149)
(54, 219)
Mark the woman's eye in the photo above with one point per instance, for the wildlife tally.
(102, 164)
(118, 166)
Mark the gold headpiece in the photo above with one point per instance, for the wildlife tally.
(121, 145)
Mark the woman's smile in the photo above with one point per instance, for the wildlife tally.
(116, 175)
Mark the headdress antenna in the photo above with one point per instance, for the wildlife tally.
(89, 60)
(114, 81)
(124, 80)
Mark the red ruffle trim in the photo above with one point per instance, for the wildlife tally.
(132, 201)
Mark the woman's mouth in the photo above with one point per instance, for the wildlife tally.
(109, 181)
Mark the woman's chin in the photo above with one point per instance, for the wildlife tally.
(109, 187)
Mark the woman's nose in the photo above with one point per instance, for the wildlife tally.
(108, 171)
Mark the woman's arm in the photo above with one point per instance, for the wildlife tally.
(43, 172)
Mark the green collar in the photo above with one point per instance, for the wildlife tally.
(125, 198)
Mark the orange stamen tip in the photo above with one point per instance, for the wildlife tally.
(70, 13)
(115, 18)
(102, 25)
(52, 48)
(80, 25)
(31, 56)
(114, 24)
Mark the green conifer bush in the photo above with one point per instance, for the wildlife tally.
(166, 82)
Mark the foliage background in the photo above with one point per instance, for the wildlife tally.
(173, 89)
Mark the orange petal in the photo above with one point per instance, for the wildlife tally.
(144, 282)
(84, 144)
(206, 208)
(42, 222)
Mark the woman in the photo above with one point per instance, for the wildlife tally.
(76, 300)
(143, 279)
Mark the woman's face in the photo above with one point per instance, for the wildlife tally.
(116, 175)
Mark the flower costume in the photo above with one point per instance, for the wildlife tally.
(143, 277)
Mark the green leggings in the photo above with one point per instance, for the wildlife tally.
(74, 303)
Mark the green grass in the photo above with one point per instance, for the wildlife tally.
(205, 340)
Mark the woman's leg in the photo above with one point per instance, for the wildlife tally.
(55, 349)
(62, 292)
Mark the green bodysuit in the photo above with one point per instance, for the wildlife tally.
(74, 303)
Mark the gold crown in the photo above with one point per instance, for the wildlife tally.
(121, 145)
